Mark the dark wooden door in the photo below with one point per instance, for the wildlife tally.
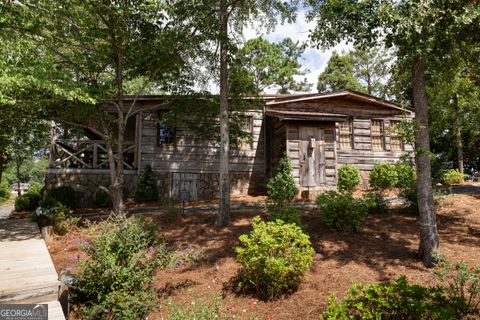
(312, 156)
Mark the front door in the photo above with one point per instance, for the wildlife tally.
(312, 156)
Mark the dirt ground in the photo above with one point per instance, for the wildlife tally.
(386, 249)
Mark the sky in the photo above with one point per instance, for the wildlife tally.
(313, 59)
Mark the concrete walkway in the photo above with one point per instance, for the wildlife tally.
(27, 274)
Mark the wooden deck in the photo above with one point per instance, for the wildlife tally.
(27, 274)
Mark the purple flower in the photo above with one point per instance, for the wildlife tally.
(111, 271)
(78, 257)
(151, 248)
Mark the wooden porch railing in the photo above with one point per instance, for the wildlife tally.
(87, 154)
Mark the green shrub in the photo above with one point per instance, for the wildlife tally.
(23, 203)
(406, 175)
(375, 202)
(288, 214)
(407, 184)
(398, 300)
(462, 282)
(59, 216)
(348, 178)
(341, 211)
(383, 176)
(173, 211)
(30, 200)
(64, 195)
(113, 282)
(147, 186)
(274, 257)
(282, 188)
(4, 192)
(101, 198)
(453, 176)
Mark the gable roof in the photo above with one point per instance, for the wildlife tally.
(350, 94)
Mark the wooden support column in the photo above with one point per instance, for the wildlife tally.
(138, 142)
(53, 138)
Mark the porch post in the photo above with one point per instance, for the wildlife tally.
(53, 139)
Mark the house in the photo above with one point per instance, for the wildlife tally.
(318, 133)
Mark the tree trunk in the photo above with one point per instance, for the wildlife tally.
(17, 172)
(458, 133)
(116, 158)
(426, 205)
(223, 217)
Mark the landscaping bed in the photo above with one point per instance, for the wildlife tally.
(385, 249)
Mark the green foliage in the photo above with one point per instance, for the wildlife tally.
(30, 200)
(338, 75)
(452, 177)
(23, 203)
(282, 188)
(59, 216)
(407, 183)
(287, 213)
(184, 257)
(4, 192)
(200, 309)
(64, 195)
(348, 178)
(397, 300)
(341, 211)
(383, 176)
(173, 211)
(463, 284)
(274, 257)
(147, 186)
(102, 198)
(375, 202)
(113, 281)
(263, 65)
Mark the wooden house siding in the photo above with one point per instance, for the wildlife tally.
(304, 127)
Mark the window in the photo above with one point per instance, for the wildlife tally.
(396, 142)
(377, 135)
(346, 134)
(166, 133)
(245, 142)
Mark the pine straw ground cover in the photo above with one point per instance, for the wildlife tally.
(385, 250)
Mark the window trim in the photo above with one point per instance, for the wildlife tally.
(350, 135)
(401, 142)
(381, 134)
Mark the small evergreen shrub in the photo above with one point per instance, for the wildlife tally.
(282, 188)
(147, 190)
(341, 211)
(348, 178)
(462, 284)
(288, 214)
(113, 282)
(4, 192)
(64, 195)
(173, 211)
(397, 300)
(407, 183)
(375, 202)
(383, 176)
(23, 203)
(101, 198)
(30, 200)
(453, 176)
(274, 257)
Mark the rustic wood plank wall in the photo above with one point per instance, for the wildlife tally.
(191, 153)
(362, 155)
(278, 143)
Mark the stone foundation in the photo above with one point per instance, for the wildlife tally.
(84, 182)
